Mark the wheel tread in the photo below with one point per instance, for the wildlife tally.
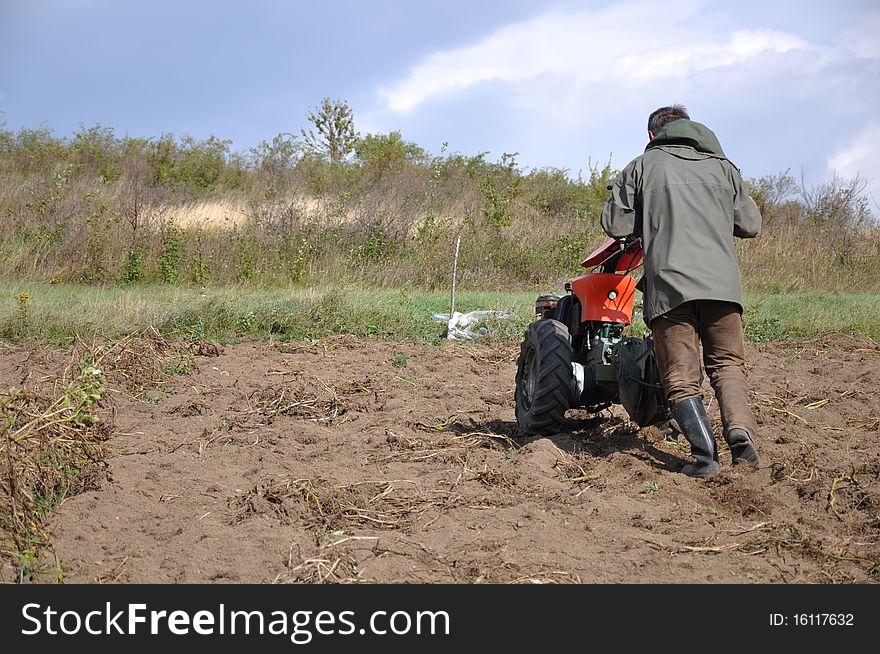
(554, 379)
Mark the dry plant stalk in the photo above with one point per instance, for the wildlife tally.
(318, 401)
(51, 447)
(316, 502)
(52, 442)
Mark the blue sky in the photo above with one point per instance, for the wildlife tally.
(784, 84)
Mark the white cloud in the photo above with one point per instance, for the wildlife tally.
(859, 157)
(564, 87)
(623, 45)
(863, 39)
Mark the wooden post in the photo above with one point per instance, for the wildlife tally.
(454, 274)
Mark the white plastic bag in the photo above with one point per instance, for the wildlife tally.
(461, 326)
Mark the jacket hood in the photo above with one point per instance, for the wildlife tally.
(690, 134)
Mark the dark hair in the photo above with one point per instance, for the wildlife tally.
(665, 115)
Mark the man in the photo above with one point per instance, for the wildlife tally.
(687, 201)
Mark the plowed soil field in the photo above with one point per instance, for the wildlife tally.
(363, 461)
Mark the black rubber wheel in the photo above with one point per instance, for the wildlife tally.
(545, 383)
(568, 312)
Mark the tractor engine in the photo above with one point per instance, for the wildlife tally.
(595, 369)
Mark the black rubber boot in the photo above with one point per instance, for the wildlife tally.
(742, 449)
(690, 414)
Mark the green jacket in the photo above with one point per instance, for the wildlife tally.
(687, 202)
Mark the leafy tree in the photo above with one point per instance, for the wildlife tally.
(278, 156)
(772, 194)
(191, 164)
(840, 202)
(97, 149)
(380, 152)
(333, 134)
(37, 149)
(500, 186)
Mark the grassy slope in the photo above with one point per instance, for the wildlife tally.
(55, 313)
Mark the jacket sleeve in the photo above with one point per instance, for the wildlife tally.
(746, 217)
(619, 213)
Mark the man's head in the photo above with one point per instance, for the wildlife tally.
(663, 116)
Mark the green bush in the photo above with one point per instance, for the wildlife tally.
(383, 153)
(90, 208)
(169, 258)
(134, 269)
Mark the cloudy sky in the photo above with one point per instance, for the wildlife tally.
(784, 84)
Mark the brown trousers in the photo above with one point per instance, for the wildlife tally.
(717, 325)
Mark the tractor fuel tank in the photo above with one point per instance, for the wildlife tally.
(605, 297)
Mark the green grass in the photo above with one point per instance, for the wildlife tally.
(55, 314)
(805, 315)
